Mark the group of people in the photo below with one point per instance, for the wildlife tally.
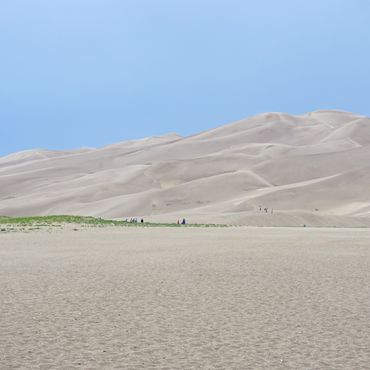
(266, 210)
(134, 220)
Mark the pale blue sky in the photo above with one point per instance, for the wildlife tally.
(88, 73)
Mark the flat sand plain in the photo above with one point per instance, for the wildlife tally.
(234, 298)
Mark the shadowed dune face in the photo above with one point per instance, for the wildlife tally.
(311, 169)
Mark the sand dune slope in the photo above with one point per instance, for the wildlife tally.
(311, 169)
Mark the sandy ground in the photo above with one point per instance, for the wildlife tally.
(237, 298)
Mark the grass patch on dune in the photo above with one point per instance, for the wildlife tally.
(87, 221)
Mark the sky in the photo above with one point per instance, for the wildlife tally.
(87, 73)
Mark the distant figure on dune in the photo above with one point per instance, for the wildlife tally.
(183, 221)
(142, 221)
(260, 208)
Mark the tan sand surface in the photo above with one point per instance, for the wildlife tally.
(310, 169)
(235, 298)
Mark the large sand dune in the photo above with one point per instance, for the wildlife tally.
(311, 169)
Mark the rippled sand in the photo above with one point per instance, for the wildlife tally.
(235, 298)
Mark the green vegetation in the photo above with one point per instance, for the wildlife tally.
(40, 221)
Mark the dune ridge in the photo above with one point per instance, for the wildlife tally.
(310, 170)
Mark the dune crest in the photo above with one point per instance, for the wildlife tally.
(311, 169)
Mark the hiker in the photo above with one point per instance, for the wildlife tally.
(260, 208)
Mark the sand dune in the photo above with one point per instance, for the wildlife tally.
(311, 169)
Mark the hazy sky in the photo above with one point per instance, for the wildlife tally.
(88, 73)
